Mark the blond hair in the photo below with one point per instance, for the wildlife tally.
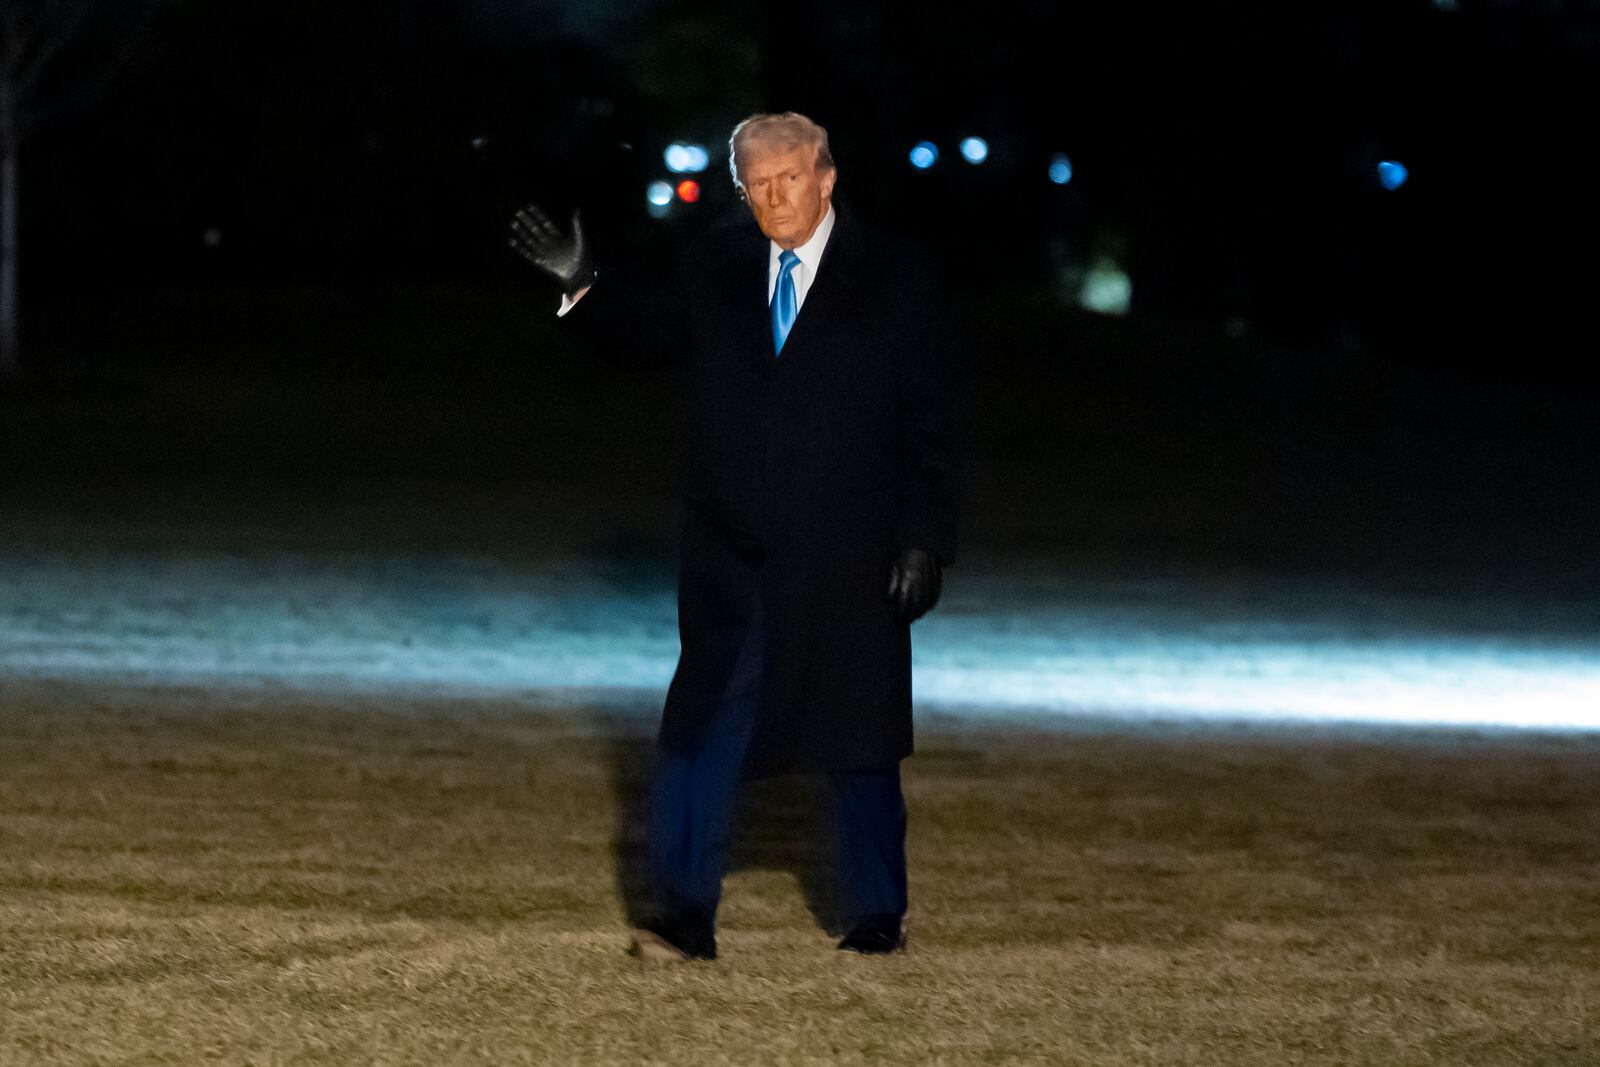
(781, 131)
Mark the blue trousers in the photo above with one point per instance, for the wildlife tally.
(692, 796)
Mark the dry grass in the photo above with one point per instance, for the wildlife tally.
(191, 877)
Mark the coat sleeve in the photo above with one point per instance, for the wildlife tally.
(934, 416)
(635, 321)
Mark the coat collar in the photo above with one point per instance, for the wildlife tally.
(835, 276)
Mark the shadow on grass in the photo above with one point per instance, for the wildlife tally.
(781, 824)
(629, 749)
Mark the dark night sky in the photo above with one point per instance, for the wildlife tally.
(1225, 156)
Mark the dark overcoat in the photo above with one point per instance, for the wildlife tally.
(805, 475)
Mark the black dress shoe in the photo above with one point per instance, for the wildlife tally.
(671, 937)
(876, 935)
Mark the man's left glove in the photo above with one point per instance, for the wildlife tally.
(914, 583)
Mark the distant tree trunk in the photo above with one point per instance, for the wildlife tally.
(33, 34)
(10, 361)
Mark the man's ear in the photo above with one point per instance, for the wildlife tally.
(827, 182)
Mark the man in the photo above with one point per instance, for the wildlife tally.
(820, 508)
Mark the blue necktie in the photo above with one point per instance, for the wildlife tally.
(784, 305)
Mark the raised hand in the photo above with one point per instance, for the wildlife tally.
(535, 238)
(914, 583)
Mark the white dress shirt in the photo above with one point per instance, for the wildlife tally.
(805, 272)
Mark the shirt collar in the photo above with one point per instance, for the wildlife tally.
(810, 253)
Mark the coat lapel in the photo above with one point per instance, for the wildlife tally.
(828, 293)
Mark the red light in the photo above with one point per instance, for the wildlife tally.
(688, 191)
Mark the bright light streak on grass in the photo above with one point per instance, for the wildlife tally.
(1422, 680)
(1006, 640)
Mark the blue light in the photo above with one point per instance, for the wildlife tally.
(1027, 638)
(924, 155)
(1060, 168)
(974, 149)
(659, 193)
(1392, 175)
(685, 158)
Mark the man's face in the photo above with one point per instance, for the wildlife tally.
(785, 192)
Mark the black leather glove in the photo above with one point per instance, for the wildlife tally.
(535, 238)
(914, 583)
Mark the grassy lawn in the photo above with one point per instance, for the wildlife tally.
(264, 878)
